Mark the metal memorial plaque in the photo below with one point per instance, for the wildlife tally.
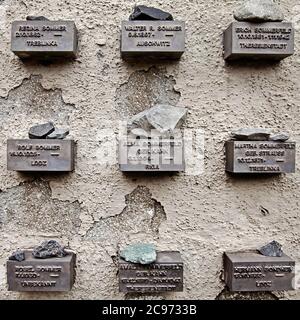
(269, 40)
(165, 275)
(44, 39)
(153, 39)
(260, 157)
(53, 274)
(251, 271)
(152, 155)
(40, 155)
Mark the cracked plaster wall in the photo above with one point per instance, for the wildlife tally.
(97, 209)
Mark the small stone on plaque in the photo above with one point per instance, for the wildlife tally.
(142, 253)
(272, 249)
(41, 131)
(259, 11)
(49, 249)
(149, 13)
(58, 134)
(36, 18)
(18, 255)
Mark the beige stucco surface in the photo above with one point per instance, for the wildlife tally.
(97, 209)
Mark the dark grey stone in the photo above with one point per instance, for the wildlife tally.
(252, 134)
(41, 131)
(149, 13)
(259, 11)
(272, 249)
(18, 255)
(36, 18)
(49, 249)
(58, 134)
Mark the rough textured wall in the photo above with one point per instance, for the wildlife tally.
(97, 209)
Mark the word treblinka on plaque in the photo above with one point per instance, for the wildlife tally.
(258, 151)
(267, 269)
(37, 37)
(48, 267)
(151, 33)
(259, 33)
(45, 151)
(144, 270)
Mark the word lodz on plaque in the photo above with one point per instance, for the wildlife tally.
(259, 32)
(142, 269)
(45, 151)
(151, 32)
(153, 141)
(37, 37)
(259, 151)
(266, 270)
(48, 267)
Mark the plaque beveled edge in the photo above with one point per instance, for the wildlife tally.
(229, 55)
(230, 163)
(177, 260)
(73, 152)
(131, 55)
(48, 55)
(72, 260)
(228, 264)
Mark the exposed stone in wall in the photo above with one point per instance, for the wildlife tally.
(142, 215)
(144, 89)
(31, 102)
(29, 208)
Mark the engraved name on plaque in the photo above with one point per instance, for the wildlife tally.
(44, 39)
(251, 271)
(260, 157)
(164, 275)
(164, 39)
(40, 155)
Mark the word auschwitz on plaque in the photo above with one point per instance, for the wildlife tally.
(40, 155)
(269, 40)
(260, 157)
(164, 39)
(164, 275)
(251, 271)
(155, 154)
(51, 274)
(44, 39)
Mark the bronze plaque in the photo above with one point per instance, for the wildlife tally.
(269, 40)
(53, 274)
(44, 39)
(165, 275)
(251, 271)
(152, 155)
(40, 155)
(164, 39)
(260, 157)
